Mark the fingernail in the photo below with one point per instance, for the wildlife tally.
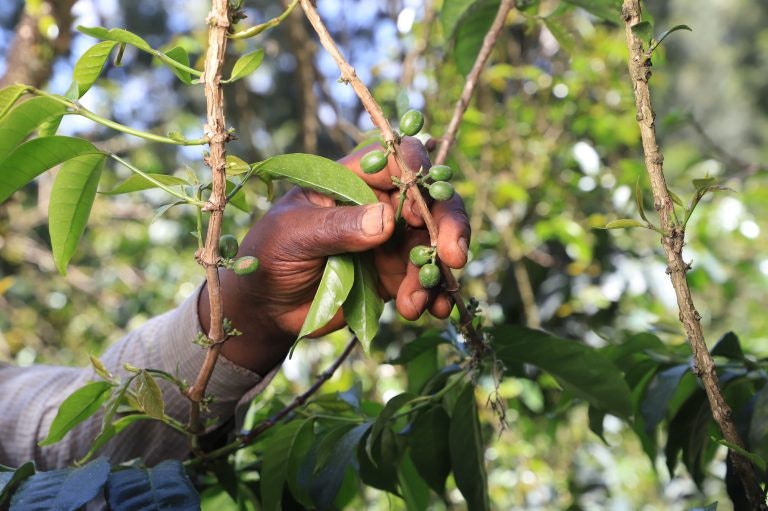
(463, 246)
(372, 222)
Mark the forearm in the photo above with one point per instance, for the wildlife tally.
(29, 397)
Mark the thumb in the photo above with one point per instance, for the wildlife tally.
(339, 229)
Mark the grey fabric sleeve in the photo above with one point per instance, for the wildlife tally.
(30, 397)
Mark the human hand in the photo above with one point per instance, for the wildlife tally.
(293, 240)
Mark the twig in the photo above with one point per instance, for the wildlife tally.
(469, 85)
(219, 21)
(672, 242)
(348, 76)
(249, 436)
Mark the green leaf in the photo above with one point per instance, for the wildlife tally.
(470, 33)
(429, 443)
(363, 306)
(303, 443)
(382, 420)
(181, 56)
(109, 431)
(275, 468)
(658, 394)
(416, 347)
(137, 183)
(77, 407)
(236, 166)
(676, 198)
(381, 472)
(88, 67)
(246, 65)
(702, 184)
(330, 472)
(667, 32)
(66, 489)
(581, 370)
(322, 175)
(414, 489)
(116, 34)
(466, 449)
(643, 31)
(11, 480)
(35, 157)
(451, 12)
(149, 395)
(609, 10)
(72, 195)
(758, 424)
(728, 346)
(335, 285)
(624, 223)
(639, 200)
(9, 96)
(164, 486)
(754, 458)
(421, 369)
(23, 119)
(238, 199)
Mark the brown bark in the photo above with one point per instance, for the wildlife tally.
(672, 242)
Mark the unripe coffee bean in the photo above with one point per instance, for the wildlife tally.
(411, 122)
(429, 275)
(441, 173)
(440, 190)
(374, 161)
(228, 246)
(421, 255)
(245, 265)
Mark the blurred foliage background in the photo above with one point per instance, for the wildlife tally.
(549, 151)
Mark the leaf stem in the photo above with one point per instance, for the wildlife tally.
(166, 188)
(78, 109)
(178, 65)
(258, 29)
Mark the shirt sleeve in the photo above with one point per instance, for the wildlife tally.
(30, 397)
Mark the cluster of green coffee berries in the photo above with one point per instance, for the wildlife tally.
(436, 181)
(424, 257)
(228, 247)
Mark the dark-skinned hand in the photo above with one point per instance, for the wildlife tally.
(303, 228)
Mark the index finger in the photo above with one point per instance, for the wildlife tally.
(411, 149)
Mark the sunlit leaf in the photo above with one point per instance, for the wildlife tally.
(181, 56)
(164, 486)
(363, 306)
(116, 34)
(149, 395)
(561, 33)
(88, 67)
(643, 31)
(137, 183)
(23, 119)
(320, 174)
(72, 195)
(9, 96)
(580, 369)
(236, 166)
(111, 430)
(471, 31)
(466, 449)
(624, 223)
(77, 407)
(66, 489)
(451, 12)
(246, 65)
(335, 285)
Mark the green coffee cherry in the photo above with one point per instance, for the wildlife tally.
(440, 190)
(421, 255)
(228, 246)
(374, 161)
(440, 173)
(245, 265)
(429, 275)
(411, 122)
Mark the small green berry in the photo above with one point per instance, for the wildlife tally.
(374, 161)
(411, 122)
(228, 246)
(245, 265)
(440, 190)
(429, 275)
(440, 173)
(421, 255)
